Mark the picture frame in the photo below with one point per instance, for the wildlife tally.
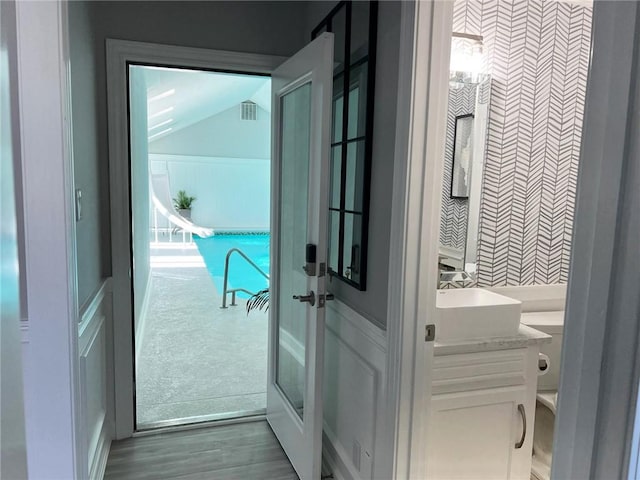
(462, 156)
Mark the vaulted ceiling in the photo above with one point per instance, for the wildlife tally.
(178, 98)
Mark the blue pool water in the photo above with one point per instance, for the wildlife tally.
(241, 274)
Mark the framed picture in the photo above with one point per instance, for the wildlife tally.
(462, 156)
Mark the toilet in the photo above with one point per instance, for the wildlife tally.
(551, 323)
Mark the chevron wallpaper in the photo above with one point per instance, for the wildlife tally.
(537, 54)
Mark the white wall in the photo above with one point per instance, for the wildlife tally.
(231, 193)
(90, 230)
(224, 162)
(221, 135)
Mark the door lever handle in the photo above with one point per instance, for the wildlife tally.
(310, 299)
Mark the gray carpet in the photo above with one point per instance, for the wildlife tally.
(196, 359)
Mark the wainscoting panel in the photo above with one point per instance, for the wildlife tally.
(355, 357)
(94, 382)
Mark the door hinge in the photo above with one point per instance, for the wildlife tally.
(429, 332)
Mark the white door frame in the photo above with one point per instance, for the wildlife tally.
(51, 368)
(415, 219)
(119, 54)
(601, 351)
(601, 348)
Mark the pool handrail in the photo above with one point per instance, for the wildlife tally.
(226, 278)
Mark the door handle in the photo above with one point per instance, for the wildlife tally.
(310, 299)
(523, 414)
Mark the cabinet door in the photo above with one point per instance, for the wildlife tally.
(473, 435)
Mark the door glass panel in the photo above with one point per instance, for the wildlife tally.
(292, 234)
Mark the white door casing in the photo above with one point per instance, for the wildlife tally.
(302, 87)
(415, 220)
(119, 54)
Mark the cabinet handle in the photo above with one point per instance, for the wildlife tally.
(523, 415)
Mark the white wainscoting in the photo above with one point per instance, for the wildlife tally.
(93, 334)
(354, 397)
(218, 185)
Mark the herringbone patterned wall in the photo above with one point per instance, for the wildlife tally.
(454, 211)
(537, 54)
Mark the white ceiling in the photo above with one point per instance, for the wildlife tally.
(177, 98)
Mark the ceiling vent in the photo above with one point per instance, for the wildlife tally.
(248, 110)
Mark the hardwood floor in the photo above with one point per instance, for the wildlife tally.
(244, 451)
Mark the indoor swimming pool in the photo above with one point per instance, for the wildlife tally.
(241, 274)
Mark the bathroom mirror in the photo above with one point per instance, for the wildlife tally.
(354, 25)
(467, 120)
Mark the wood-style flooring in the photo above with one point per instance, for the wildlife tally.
(244, 451)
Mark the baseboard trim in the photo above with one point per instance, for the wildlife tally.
(331, 463)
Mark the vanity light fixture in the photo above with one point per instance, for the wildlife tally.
(467, 53)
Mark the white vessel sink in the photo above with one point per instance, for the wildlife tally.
(474, 313)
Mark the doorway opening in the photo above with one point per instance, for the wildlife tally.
(517, 88)
(200, 208)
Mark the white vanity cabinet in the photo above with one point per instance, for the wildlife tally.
(482, 410)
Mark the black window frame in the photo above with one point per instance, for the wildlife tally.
(359, 264)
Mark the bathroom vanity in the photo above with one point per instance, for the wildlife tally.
(482, 407)
(483, 397)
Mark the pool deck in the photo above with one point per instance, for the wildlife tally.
(197, 362)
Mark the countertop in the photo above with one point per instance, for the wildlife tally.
(525, 337)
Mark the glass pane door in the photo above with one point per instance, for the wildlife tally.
(292, 279)
(301, 110)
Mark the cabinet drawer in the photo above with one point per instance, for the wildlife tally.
(477, 371)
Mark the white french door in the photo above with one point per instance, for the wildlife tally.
(301, 106)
